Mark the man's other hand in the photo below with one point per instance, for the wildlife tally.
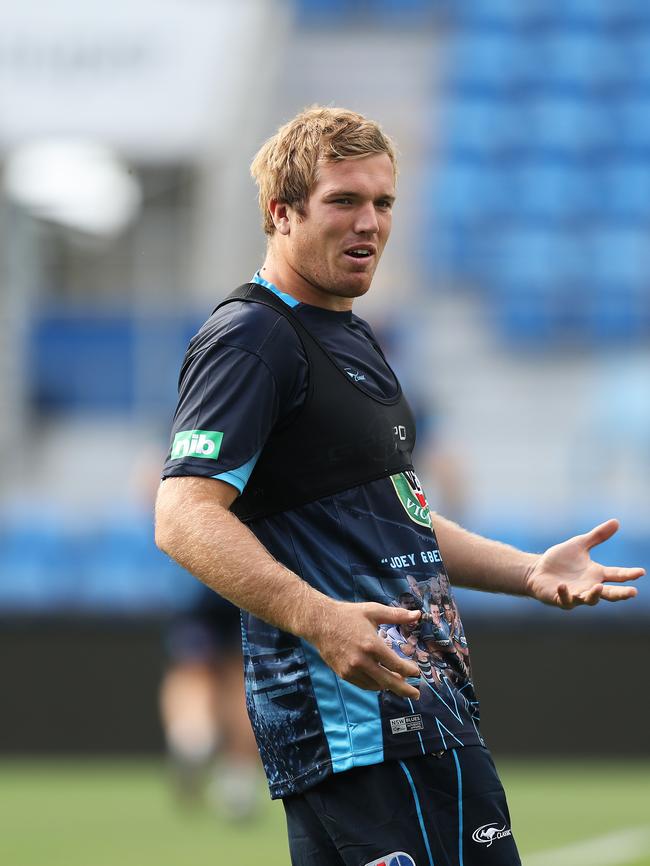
(566, 576)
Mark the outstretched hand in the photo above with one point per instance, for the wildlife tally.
(566, 576)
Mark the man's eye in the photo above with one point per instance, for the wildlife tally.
(342, 201)
(385, 204)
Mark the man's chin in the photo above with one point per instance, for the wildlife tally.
(356, 286)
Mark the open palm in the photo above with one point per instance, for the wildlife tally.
(566, 576)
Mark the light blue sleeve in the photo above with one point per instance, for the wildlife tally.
(239, 477)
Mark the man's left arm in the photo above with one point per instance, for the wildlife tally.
(564, 575)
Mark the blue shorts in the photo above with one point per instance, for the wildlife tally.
(447, 809)
(207, 631)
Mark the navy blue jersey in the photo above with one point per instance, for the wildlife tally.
(244, 373)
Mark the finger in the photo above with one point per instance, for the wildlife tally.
(565, 598)
(396, 684)
(363, 681)
(592, 596)
(389, 659)
(376, 678)
(619, 593)
(601, 533)
(621, 574)
(382, 613)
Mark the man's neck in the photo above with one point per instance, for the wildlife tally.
(285, 278)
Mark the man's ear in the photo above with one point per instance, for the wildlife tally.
(280, 215)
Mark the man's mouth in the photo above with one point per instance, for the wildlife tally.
(361, 252)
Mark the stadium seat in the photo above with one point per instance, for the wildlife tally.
(469, 193)
(637, 46)
(620, 255)
(70, 348)
(617, 313)
(36, 571)
(625, 189)
(572, 125)
(485, 57)
(506, 12)
(601, 13)
(494, 128)
(590, 59)
(633, 122)
(556, 191)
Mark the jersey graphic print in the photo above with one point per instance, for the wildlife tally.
(357, 546)
(417, 580)
(411, 495)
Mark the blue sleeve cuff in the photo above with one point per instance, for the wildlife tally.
(239, 477)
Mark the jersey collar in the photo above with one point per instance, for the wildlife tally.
(288, 299)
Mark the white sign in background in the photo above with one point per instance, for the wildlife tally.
(149, 77)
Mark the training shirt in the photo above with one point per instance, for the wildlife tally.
(244, 373)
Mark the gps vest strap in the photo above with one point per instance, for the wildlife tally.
(340, 438)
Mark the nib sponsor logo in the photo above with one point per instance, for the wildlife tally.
(397, 858)
(489, 833)
(196, 443)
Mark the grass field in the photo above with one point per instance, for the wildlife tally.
(120, 813)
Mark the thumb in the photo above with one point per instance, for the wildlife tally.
(601, 533)
(381, 613)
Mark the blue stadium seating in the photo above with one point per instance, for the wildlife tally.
(487, 127)
(114, 569)
(542, 195)
(103, 569)
(493, 58)
(84, 359)
(633, 123)
(587, 58)
(626, 189)
(555, 192)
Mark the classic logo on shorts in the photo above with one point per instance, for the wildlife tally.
(489, 833)
(196, 443)
(397, 858)
(411, 495)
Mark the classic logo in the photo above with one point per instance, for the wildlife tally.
(489, 833)
(411, 495)
(397, 858)
(196, 443)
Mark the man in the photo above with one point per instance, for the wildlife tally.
(290, 417)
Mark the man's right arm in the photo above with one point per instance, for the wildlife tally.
(195, 527)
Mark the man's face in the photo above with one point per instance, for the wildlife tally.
(335, 246)
(409, 602)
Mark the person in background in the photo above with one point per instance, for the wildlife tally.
(203, 709)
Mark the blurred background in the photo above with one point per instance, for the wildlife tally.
(513, 299)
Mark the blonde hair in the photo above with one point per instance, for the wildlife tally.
(285, 168)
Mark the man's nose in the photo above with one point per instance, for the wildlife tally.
(366, 219)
